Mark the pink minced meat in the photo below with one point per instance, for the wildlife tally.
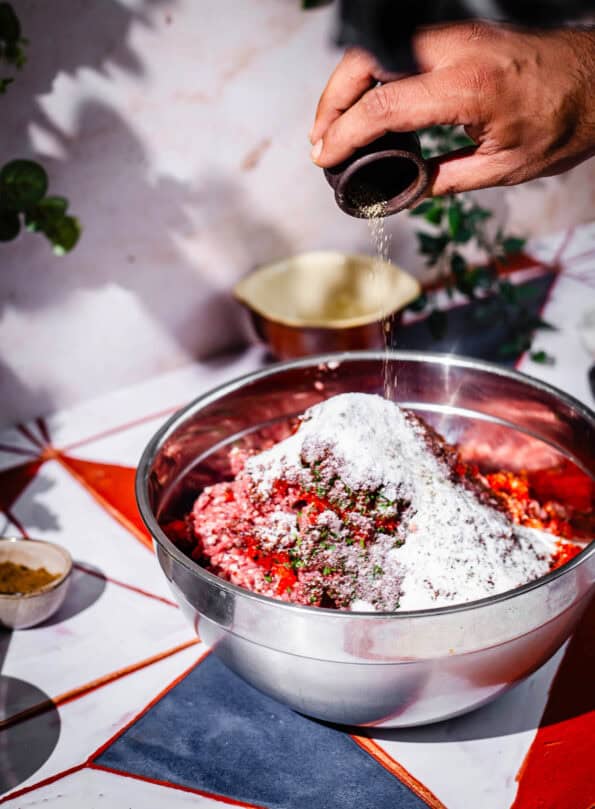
(238, 531)
(363, 507)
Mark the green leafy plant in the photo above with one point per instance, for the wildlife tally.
(454, 222)
(24, 183)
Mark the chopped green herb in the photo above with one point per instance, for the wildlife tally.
(268, 577)
(384, 503)
(542, 357)
(327, 571)
(377, 571)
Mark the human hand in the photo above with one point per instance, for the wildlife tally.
(524, 98)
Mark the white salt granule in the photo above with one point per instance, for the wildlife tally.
(452, 547)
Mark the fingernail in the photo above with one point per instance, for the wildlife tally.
(316, 151)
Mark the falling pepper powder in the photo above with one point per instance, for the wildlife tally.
(21, 579)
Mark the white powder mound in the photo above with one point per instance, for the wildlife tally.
(451, 547)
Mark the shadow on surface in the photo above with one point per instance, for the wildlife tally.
(173, 247)
(25, 743)
(559, 691)
(33, 510)
(87, 585)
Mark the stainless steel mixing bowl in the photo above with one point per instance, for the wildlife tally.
(379, 669)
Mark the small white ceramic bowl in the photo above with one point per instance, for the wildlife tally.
(20, 611)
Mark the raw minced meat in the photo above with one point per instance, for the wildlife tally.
(365, 507)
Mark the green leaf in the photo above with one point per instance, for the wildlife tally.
(460, 140)
(508, 292)
(431, 210)
(14, 54)
(419, 304)
(468, 283)
(512, 244)
(4, 83)
(64, 234)
(432, 246)
(423, 208)
(464, 233)
(50, 209)
(485, 277)
(526, 292)
(478, 214)
(515, 346)
(455, 215)
(10, 27)
(438, 324)
(542, 357)
(9, 225)
(23, 184)
(458, 265)
(435, 213)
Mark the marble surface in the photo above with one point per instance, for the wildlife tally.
(115, 702)
(178, 130)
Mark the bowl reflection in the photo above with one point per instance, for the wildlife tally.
(382, 669)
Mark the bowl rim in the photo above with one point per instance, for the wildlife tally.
(14, 540)
(161, 435)
(330, 324)
(404, 199)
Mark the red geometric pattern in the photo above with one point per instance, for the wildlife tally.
(15, 480)
(557, 768)
(113, 488)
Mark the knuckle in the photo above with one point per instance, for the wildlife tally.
(358, 57)
(485, 79)
(477, 30)
(378, 103)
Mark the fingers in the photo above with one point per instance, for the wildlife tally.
(469, 170)
(358, 71)
(400, 106)
(354, 74)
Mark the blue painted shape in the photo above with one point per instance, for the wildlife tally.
(216, 733)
